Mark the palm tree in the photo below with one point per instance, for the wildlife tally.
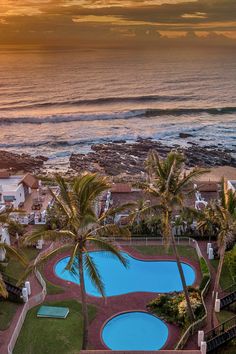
(12, 252)
(167, 185)
(83, 228)
(222, 217)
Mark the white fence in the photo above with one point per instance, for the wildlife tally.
(152, 241)
(32, 302)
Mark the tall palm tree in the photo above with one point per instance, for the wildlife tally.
(223, 218)
(11, 251)
(83, 228)
(167, 185)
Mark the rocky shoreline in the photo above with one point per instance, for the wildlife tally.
(125, 161)
(120, 160)
(21, 162)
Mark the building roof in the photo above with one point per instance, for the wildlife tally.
(30, 181)
(121, 188)
(4, 174)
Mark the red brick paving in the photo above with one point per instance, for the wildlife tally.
(6, 335)
(192, 342)
(112, 305)
(107, 308)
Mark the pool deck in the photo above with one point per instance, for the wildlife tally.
(111, 306)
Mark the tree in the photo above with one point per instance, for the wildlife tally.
(223, 217)
(167, 184)
(11, 251)
(83, 228)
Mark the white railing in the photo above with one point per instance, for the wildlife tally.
(151, 241)
(199, 324)
(32, 302)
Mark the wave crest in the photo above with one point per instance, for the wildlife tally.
(139, 113)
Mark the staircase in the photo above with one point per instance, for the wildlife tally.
(228, 296)
(220, 335)
(14, 291)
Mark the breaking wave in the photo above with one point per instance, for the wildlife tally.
(138, 113)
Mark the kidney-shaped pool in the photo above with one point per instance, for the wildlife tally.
(139, 276)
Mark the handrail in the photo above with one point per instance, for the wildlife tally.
(215, 332)
(227, 291)
(202, 321)
(8, 278)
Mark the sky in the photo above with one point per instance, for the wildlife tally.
(117, 23)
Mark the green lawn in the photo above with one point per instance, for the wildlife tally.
(226, 279)
(230, 347)
(185, 251)
(224, 315)
(51, 288)
(49, 336)
(7, 311)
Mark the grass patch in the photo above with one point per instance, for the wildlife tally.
(228, 348)
(223, 315)
(226, 279)
(51, 288)
(184, 251)
(47, 336)
(7, 312)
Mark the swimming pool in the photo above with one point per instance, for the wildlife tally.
(140, 276)
(135, 331)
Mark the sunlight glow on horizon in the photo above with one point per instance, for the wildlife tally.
(77, 21)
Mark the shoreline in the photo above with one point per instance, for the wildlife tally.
(125, 161)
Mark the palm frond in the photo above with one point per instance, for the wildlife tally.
(14, 253)
(93, 273)
(51, 235)
(3, 290)
(109, 247)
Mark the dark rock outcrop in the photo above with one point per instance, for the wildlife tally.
(126, 159)
(20, 162)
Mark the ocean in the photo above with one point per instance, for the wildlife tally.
(54, 103)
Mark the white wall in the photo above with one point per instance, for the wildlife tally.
(17, 192)
(230, 185)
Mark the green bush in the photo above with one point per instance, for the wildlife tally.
(204, 280)
(205, 273)
(173, 307)
(230, 260)
(204, 266)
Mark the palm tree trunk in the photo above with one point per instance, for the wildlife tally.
(83, 302)
(216, 284)
(181, 273)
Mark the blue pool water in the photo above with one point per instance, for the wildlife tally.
(135, 331)
(140, 276)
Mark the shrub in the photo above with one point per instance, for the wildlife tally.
(204, 266)
(205, 273)
(204, 281)
(230, 259)
(173, 307)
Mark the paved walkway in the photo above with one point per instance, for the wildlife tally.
(6, 335)
(112, 305)
(115, 304)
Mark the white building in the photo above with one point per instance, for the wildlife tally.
(4, 238)
(231, 185)
(15, 189)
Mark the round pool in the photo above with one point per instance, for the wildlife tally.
(135, 331)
